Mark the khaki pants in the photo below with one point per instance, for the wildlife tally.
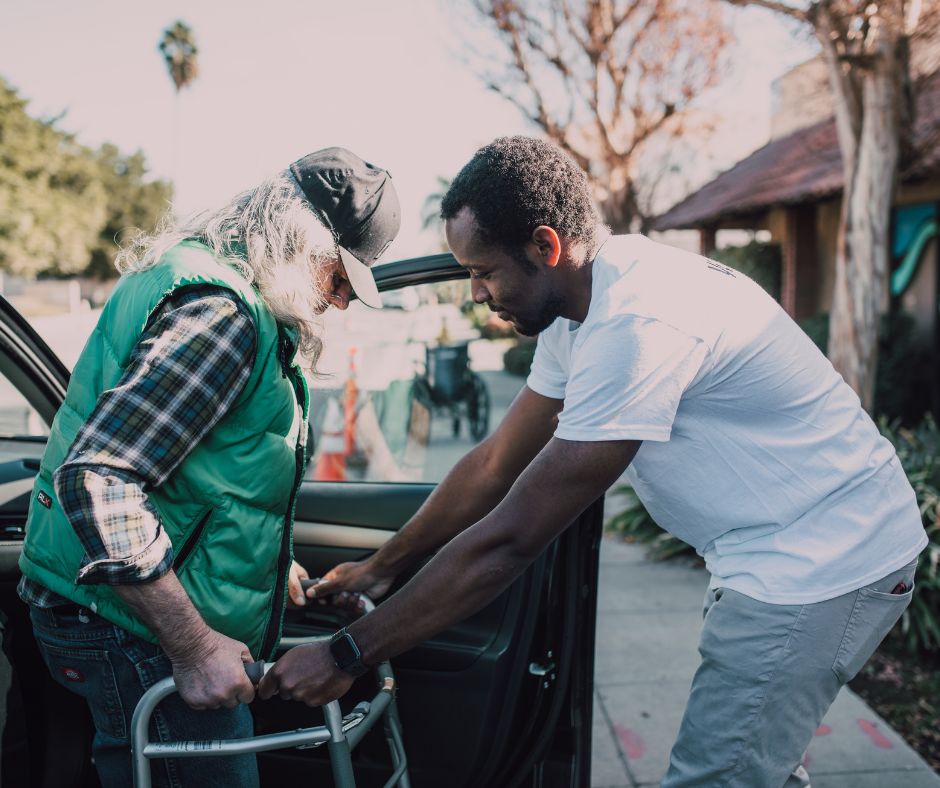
(768, 676)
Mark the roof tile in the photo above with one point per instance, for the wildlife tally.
(805, 166)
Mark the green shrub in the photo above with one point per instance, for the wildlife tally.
(902, 389)
(635, 524)
(762, 262)
(919, 452)
(817, 329)
(902, 385)
(482, 319)
(518, 359)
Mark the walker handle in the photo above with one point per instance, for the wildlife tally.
(255, 671)
(305, 583)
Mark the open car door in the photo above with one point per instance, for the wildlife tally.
(502, 699)
(46, 730)
(505, 697)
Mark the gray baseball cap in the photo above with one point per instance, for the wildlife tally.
(358, 202)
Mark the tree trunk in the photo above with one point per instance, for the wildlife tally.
(869, 139)
(619, 205)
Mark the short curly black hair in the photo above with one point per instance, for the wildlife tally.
(516, 184)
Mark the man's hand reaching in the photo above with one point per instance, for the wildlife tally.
(295, 592)
(488, 471)
(306, 673)
(346, 581)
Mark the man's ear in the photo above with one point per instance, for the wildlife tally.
(548, 244)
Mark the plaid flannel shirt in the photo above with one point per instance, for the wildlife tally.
(187, 369)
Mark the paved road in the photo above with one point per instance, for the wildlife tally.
(649, 618)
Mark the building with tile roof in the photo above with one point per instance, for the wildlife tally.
(792, 187)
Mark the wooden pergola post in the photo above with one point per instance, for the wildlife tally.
(799, 275)
(706, 236)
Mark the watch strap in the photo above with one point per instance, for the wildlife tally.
(354, 666)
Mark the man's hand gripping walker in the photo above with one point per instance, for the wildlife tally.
(341, 734)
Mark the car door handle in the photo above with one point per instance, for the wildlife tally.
(538, 670)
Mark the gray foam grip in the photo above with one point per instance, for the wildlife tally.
(255, 671)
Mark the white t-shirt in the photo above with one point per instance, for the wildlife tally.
(755, 451)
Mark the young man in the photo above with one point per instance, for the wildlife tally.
(158, 540)
(735, 431)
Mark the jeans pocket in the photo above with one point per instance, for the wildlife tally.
(153, 669)
(88, 672)
(874, 614)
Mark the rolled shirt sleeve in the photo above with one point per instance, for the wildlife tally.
(185, 372)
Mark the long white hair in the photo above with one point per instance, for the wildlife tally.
(272, 237)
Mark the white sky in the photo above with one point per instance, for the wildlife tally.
(279, 80)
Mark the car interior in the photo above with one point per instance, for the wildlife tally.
(503, 698)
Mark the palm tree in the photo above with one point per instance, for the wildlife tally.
(431, 211)
(457, 291)
(178, 47)
(179, 50)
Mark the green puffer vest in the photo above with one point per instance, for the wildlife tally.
(229, 507)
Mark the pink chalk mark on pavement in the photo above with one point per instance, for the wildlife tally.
(876, 736)
(823, 730)
(632, 743)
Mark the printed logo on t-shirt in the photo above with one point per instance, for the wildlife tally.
(721, 269)
(72, 674)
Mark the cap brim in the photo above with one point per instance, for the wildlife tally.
(360, 277)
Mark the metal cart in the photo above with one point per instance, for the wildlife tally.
(449, 384)
(340, 734)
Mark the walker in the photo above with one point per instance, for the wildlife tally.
(340, 734)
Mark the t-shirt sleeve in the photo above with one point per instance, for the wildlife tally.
(547, 377)
(626, 380)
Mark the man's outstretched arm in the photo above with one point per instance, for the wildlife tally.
(471, 490)
(470, 571)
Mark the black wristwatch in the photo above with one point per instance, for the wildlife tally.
(346, 654)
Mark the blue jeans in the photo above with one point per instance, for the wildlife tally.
(111, 669)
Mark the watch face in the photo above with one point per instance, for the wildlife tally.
(344, 650)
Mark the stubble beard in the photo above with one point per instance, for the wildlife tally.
(549, 311)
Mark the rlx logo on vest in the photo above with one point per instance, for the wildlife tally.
(44, 499)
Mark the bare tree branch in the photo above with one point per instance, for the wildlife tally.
(780, 8)
(602, 78)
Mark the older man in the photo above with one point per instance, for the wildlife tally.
(158, 539)
(736, 432)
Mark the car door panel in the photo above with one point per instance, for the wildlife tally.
(319, 546)
(454, 690)
(338, 521)
(465, 690)
(387, 505)
(47, 730)
(351, 537)
(454, 685)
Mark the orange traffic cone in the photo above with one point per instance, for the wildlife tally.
(349, 406)
(331, 466)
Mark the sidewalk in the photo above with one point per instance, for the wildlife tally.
(648, 622)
